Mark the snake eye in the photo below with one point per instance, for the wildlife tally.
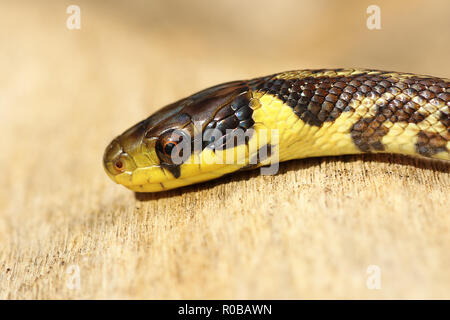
(169, 145)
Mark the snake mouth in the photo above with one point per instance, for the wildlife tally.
(157, 178)
(138, 169)
(207, 165)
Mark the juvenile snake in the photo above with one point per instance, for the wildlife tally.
(314, 113)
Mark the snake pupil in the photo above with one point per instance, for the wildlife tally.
(168, 148)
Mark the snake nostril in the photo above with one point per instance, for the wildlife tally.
(118, 164)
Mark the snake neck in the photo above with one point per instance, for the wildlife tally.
(334, 112)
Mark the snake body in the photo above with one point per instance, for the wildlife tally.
(313, 112)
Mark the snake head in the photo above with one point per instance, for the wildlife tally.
(169, 150)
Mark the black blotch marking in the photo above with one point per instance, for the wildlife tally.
(430, 143)
(174, 169)
(367, 134)
(258, 158)
(444, 118)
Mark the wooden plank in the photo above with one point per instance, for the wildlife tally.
(312, 231)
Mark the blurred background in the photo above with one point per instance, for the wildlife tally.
(64, 94)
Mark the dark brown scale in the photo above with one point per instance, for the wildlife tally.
(340, 105)
(240, 102)
(328, 106)
(228, 123)
(317, 99)
(418, 87)
(246, 124)
(331, 98)
(444, 118)
(345, 96)
(444, 96)
(436, 89)
(358, 96)
(427, 94)
(223, 113)
(401, 85)
(370, 83)
(349, 89)
(325, 85)
(339, 84)
(394, 90)
(385, 84)
(336, 91)
(244, 113)
(364, 88)
(379, 89)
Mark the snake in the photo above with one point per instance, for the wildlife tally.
(283, 116)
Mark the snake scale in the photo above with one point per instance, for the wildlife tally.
(313, 112)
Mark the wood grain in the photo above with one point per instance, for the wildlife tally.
(309, 232)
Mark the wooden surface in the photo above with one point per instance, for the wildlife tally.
(309, 232)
